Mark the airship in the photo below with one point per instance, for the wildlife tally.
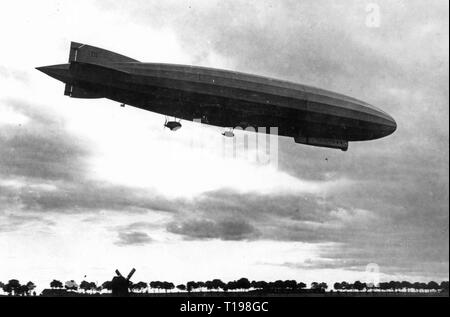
(221, 98)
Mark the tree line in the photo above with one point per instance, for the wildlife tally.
(393, 286)
(14, 287)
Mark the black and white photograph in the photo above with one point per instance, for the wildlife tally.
(224, 154)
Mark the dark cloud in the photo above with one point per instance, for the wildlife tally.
(87, 196)
(40, 149)
(389, 235)
(133, 238)
(42, 154)
(396, 254)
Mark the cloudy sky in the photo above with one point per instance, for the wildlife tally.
(87, 187)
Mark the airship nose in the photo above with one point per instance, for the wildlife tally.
(385, 124)
(60, 72)
(387, 127)
(392, 125)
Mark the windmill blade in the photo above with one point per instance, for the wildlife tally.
(131, 274)
(118, 273)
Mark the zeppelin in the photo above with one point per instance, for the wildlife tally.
(221, 98)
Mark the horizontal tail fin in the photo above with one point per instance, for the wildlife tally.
(94, 55)
(78, 92)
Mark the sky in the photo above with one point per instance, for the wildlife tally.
(87, 186)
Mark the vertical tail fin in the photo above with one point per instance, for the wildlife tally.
(94, 55)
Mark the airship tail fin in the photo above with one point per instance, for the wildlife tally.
(94, 55)
(82, 93)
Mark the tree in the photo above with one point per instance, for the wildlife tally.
(319, 286)
(278, 285)
(201, 285)
(416, 286)
(218, 284)
(346, 286)
(71, 285)
(384, 286)
(231, 285)
(56, 284)
(323, 286)
(406, 285)
(243, 283)
(140, 286)
(393, 285)
(181, 287)
(85, 286)
(2, 286)
(301, 285)
(154, 285)
(12, 286)
(261, 285)
(167, 286)
(7, 289)
(107, 285)
(290, 285)
(423, 286)
(444, 286)
(22, 290)
(191, 285)
(433, 286)
(209, 285)
(161, 285)
(30, 286)
(366, 286)
(92, 287)
(135, 287)
(337, 286)
(358, 286)
(143, 286)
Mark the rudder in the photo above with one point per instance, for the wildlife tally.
(94, 55)
(91, 55)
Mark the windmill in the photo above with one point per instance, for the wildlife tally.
(120, 284)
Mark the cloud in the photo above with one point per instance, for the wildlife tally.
(57, 182)
(133, 238)
(44, 168)
(324, 263)
(14, 74)
(389, 237)
(40, 148)
(12, 222)
(226, 229)
(139, 225)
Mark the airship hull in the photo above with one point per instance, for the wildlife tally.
(226, 99)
